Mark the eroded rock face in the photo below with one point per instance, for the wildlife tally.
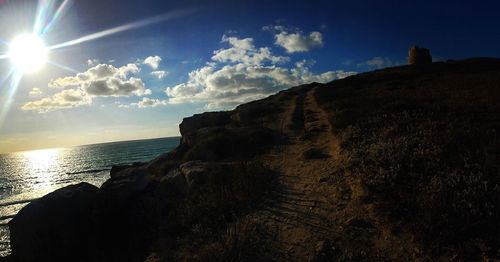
(56, 226)
(419, 56)
(193, 169)
(205, 120)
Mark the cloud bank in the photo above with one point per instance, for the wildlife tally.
(102, 80)
(237, 73)
(241, 73)
(64, 99)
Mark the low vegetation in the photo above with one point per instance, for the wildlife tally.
(423, 141)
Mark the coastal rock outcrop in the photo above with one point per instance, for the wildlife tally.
(56, 226)
(205, 120)
(125, 217)
(419, 56)
(404, 157)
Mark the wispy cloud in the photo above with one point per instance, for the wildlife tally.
(35, 92)
(148, 102)
(378, 62)
(161, 74)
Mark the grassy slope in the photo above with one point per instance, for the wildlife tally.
(425, 143)
(401, 163)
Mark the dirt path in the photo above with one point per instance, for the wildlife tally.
(317, 209)
(299, 218)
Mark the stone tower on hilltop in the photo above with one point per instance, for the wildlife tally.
(419, 56)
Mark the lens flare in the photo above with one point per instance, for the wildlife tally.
(126, 27)
(57, 15)
(28, 53)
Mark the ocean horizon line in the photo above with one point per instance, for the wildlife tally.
(84, 145)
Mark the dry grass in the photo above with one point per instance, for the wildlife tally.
(424, 144)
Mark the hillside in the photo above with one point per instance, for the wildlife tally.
(395, 164)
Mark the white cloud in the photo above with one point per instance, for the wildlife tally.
(244, 51)
(293, 39)
(296, 42)
(64, 82)
(241, 74)
(116, 87)
(161, 74)
(35, 92)
(97, 73)
(236, 84)
(102, 80)
(152, 61)
(92, 62)
(148, 102)
(105, 80)
(378, 62)
(64, 99)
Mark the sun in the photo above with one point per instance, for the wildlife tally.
(28, 53)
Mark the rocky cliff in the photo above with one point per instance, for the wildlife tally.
(396, 164)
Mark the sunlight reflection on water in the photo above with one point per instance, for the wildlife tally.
(41, 163)
(25, 176)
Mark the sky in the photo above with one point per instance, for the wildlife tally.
(128, 69)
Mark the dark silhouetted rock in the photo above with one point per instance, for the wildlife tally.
(125, 216)
(419, 56)
(116, 169)
(193, 169)
(210, 119)
(174, 184)
(56, 227)
(227, 143)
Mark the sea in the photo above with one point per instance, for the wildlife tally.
(28, 175)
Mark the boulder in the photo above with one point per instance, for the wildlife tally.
(125, 216)
(125, 184)
(116, 169)
(419, 56)
(56, 227)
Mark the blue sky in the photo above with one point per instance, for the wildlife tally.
(208, 55)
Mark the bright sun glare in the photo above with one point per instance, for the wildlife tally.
(28, 53)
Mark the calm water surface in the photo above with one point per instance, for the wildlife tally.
(31, 174)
